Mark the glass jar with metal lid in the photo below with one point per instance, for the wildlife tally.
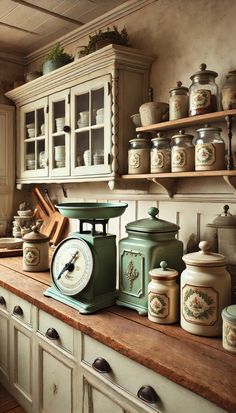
(178, 102)
(209, 149)
(160, 154)
(229, 328)
(163, 295)
(139, 156)
(182, 152)
(203, 92)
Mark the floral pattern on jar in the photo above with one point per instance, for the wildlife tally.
(205, 154)
(200, 99)
(179, 157)
(200, 304)
(229, 336)
(31, 256)
(134, 160)
(158, 305)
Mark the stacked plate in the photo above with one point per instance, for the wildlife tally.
(30, 161)
(60, 155)
(30, 130)
(98, 158)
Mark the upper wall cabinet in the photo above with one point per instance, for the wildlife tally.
(74, 123)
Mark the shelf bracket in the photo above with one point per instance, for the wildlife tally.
(168, 184)
(228, 181)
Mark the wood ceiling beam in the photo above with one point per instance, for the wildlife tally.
(9, 26)
(46, 11)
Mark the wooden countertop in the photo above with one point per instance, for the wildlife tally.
(199, 364)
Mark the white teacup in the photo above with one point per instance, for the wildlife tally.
(87, 157)
(60, 152)
(84, 118)
(60, 123)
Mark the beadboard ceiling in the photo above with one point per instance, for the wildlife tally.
(27, 25)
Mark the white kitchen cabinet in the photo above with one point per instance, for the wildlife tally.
(95, 96)
(4, 334)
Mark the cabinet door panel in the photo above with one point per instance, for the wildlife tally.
(22, 361)
(102, 404)
(4, 345)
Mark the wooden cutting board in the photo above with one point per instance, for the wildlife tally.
(54, 224)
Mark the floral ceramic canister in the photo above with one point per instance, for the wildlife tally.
(229, 328)
(205, 291)
(35, 251)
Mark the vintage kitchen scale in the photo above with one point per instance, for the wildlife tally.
(83, 267)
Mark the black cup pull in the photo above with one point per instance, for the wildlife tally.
(52, 334)
(147, 394)
(2, 300)
(17, 310)
(101, 365)
(66, 129)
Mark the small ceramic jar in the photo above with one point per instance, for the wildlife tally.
(203, 92)
(35, 251)
(139, 156)
(229, 328)
(205, 291)
(182, 152)
(209, 149)
(179, 102)
(163, 295)
(228, 91)
(160, 154)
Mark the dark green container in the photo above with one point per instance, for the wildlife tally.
(149, 242)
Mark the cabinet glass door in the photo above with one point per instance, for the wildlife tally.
(34, 159)
(91, 127)
(59, 133)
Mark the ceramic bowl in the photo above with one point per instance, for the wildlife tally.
(31, 133)
(30, 125)
(10, 243)
(25, 213)
(29, 156)
(60, 164)
(136, 119)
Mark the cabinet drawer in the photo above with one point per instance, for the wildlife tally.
(60, 333)
(21, 309)
(131, 376)
(4, 300)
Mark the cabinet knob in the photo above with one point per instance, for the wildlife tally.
(17, 310)
(52, 334)
(148, 394)
(101, 365)
(2, 300)
(66, 129)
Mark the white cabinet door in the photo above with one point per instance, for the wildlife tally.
(4, 346)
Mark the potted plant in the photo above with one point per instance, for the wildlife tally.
(56, 58)
(101, 39)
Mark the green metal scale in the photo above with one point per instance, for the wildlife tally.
(83, 267)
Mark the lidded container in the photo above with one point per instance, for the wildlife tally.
(139, 156)
(229, 328)
(149, 241)
(228, 91)
(160, 154)
(205, 291)
(203, 92)
(35, 251)
(182, 152)
(178, 102)
(209, 149)
(163, 295)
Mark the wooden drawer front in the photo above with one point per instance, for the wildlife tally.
(4, 300)
(64, 334)
(21, 309)
(132, 376)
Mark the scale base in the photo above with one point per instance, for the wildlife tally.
(141, 310)
(99, 302)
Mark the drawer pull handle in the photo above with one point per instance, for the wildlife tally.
(2, 300)
(66, 129)
(52, 334)
(17, 310)
(101, 365)
(147, 394)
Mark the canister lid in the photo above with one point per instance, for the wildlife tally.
(229, 313)
(35, 236)
(182, 134)
(224, 220)
(152, 224)
(204, 257)
(178, 88)
(203, 72)
(209, 129)
(163, 273)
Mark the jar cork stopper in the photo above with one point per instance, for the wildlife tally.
(153, 211)
(163, 265)
(204, 247)
(203, 66)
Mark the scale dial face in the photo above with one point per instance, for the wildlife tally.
(72, 265)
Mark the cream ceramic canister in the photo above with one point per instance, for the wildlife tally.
(205, 291)
(35, 251)
(229, 328)
(163, 295)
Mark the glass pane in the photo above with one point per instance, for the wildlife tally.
(82, 117)
(41, 158)
(81, 149)
(29, 156)
(59, 151)
(30, 125)
(97, 146)
(58, 116)
(97, 106)
(40, 122)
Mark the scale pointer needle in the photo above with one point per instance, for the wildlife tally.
(69, 266)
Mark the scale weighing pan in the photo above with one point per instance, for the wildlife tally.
(92, 210)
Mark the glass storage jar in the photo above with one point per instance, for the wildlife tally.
(178, 102)
(160, 154)
(209, 149)
(163, 295)
(203, 92)
(228, 91)
(139, 156)
(182, 152)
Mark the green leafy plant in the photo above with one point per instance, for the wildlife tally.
(57, 53)
(101, 39)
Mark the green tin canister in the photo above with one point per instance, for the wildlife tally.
(229, 328)
(149, 241)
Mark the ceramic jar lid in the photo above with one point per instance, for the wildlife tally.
(152, 224)
(35, 236)
(229, 313)
(182, 134)
(203, 73)
(163, 273)
(178, 89)
(205, 258)
(224, 220)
